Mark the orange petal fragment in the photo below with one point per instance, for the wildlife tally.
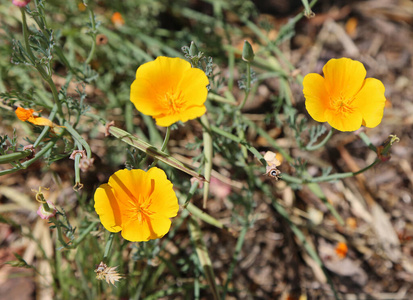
(24, 114)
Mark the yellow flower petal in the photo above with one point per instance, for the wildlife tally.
(370, 102)
(163, 198)
(107, 208)
(128, 186)
(148, 229)
(162, 226)
(41, 121)
(344, 122)
(24, 114)
(138, 231)
(166, 120)
(343, 97)
(190, 86)
(344, 77)
(137, 202)
(169, 89)
(315, 93)
(144, 94)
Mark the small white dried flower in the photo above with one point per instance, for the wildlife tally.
(103, 272)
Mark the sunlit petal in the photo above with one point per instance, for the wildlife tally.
(136, 231)
(344, 122)
(344, 77)
(107, 208)
(169, 90)
(166, 120)
(137, 202)
(370, 102)
(343, 97)
(316, 96)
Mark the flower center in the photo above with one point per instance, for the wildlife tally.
(141, 211)
(173, 101)
(342, 105)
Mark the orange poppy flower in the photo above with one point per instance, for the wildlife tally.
(341, 250)
(343, 97)
(138, 203)
(169, 90)
(117, 19)
(27, 115)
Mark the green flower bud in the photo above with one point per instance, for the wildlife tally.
(193, 49)
(247, 52)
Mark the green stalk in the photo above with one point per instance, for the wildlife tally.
(8, 158)
(78, 156)
(62, 286)
(322, 143)
(108, 246)
(55, 94)
(301, 237)
(85, 233)
(93, 36)
(269, 139)
(203, 256)
(235, 257)
(307, 12)
(39, 154)
(236, 139)
(247, 88)
(26, 36)
(326, 178)
(152, 151)
(208, 153)
(231, 63)
(221, 99)
(363, 136)
(78, 138)
(164, 144)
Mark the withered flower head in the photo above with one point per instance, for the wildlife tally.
(109, 274)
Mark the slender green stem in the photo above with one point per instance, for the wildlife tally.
(26, 36)
(164, 144)
(301, 237)
(85, 233)
(269, 139)
(237, 139)
(142, 282)
(331, 177)
(247, 87)
(208, 153)
(60, 234)
(96, 118)
(191, 193)
(93, 35)
(231, 63)
(78, 138)
(322, 143)
(46, 77)
(55, 94)
(62, 285)
(238, 247)
(40, 154)
(108, 246)
(78, 156)
(166, 140)
(221, 99)
(363, 136)
(11, 157)
(307, 12)
(203, 256)
(46, 128)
